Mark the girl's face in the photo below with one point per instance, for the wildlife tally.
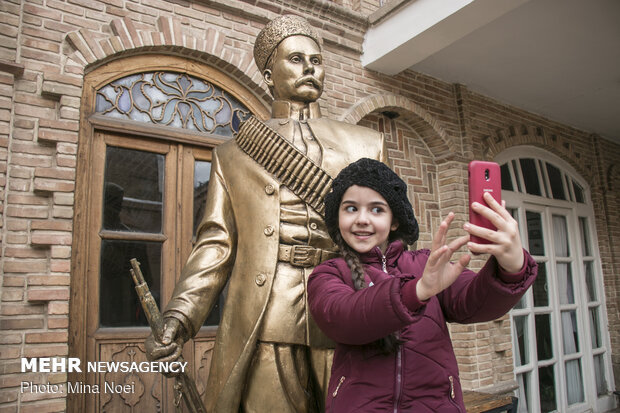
(365, 219)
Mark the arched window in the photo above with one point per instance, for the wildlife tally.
(148, 126)
(561, 345)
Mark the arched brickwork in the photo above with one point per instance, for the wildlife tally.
(427, 127)
(537, 136)
(90, 50)
(411, 158)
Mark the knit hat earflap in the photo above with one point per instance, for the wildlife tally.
(379, 177)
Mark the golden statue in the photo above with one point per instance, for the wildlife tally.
(262, 234)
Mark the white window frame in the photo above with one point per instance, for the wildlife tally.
(547, 207)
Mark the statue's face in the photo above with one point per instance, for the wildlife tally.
(297, 71)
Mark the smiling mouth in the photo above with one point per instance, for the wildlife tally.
(362, 234)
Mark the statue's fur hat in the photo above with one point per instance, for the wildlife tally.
(277, 30)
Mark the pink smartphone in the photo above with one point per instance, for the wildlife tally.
(483, 177)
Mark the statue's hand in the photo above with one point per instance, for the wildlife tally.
(171, 345)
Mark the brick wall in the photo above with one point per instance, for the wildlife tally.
(46, 46)
(608, 229)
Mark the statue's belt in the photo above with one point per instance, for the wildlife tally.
(304, 255)
(279, 157)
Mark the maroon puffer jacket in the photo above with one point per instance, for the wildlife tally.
(422, 375)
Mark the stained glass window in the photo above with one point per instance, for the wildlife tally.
(172, 99)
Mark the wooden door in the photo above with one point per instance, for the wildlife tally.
(143, 193)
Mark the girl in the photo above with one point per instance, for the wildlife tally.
(387, 308)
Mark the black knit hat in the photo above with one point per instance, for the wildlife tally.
(378, 177)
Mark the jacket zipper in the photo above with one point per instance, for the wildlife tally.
(452, 395)
(335, 393)
(399, 375)
(399, 354)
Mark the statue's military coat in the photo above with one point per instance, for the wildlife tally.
(237, 242)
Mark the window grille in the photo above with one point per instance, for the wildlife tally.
(173, 99)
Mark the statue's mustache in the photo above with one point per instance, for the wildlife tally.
(310, 79)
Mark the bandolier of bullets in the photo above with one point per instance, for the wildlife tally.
(280, 158)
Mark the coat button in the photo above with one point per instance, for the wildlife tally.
(313, 225)
(269, 230)
(269, 189)
(260, 279)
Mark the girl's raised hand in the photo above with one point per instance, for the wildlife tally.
(439, 272)
(505, 241)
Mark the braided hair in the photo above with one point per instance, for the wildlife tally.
(353, 262)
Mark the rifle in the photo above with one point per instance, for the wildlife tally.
(184, 385)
